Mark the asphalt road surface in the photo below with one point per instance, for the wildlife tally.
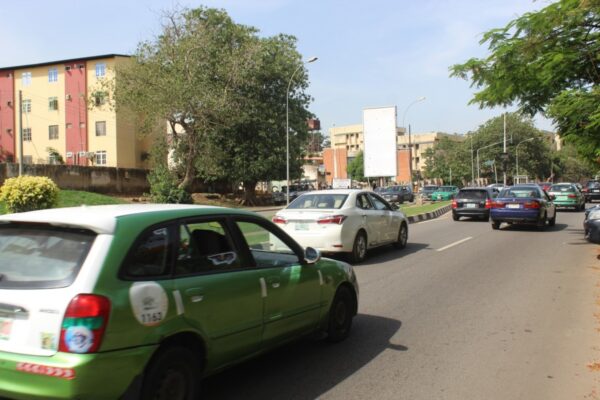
(464, 312)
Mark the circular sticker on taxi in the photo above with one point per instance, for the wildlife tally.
(149, 302)
(79, 339)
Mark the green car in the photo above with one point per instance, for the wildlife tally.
(444, 193)
(141, 301)
(567, 195)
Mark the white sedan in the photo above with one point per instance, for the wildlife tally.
(343, 221)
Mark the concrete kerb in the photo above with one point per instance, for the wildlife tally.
(430, 215)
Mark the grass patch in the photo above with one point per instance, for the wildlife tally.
(410, 210)
(75, 198)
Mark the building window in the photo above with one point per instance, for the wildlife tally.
(53, 132)
(101, 128)
(52, 103)
(53, 75)
(27, 134)
(27, 106)
(26, 78)
(82, 125)
(69, 125)
(101, 157)
(100, 70)
(100, 98)
(53, 159)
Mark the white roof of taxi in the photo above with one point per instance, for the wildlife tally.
(101, 219)
(337, 191)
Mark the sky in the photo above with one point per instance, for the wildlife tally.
(375, 53)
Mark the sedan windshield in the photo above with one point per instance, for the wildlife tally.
(318, 201)
(41, 257)
(472, 194)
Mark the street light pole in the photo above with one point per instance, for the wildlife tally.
(287, 129)
(517, 151)
(410, 161)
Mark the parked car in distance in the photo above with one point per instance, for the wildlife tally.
(473, 202)
(296, 190)
(591, 224)
(591, 191)
(278, 197)
(108, 302)
(343, 221)
(427, 191)
(523, 204)
(444, 193)
(567, 195)
(398, 194)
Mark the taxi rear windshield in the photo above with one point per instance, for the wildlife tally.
(39, 256)
(472, 194)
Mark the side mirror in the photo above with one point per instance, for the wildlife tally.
(311, 255)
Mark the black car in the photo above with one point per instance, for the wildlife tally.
(591, 224)
(591, 191)
(473, 202)
(398, 194)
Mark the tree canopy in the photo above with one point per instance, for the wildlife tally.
(221, 88)
(548, 62)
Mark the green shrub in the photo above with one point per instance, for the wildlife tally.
(165, 189)
(28, 193)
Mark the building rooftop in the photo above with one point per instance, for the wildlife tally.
(63, 61)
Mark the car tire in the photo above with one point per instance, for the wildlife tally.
(496, 225)
(173, 373)
(359, 248)
(455, 217)
(486, 218)
(402, 237)
(341, 313)
(541, 224)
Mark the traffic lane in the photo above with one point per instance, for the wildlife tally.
(306, 369)
(498, 315)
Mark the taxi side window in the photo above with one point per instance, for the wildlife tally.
(204, 247)
(379, 205)
(363, 202)
(150, 255)
(267, 249)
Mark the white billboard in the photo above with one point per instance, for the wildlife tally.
(379, 133)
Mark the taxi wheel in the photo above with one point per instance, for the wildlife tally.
(359, 249)
(402, 237)
(173, 374)
(340, 315)
(495, 224)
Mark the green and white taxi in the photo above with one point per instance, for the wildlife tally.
(141, 301)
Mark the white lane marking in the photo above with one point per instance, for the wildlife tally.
(454, 244)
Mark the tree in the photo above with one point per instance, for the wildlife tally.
(356, 168)
(547, 62)
(189, 76)
(253, 147)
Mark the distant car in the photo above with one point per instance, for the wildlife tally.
(141, 301)
(398, 194)
(444, 193)
(523, 204)
(473, 202)
(278, 198)
(591, 224)
(591, 191)
(427, 191)
(296, 190)
(567, 195)
(343, 221)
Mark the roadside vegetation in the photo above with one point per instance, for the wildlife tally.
(74, 198)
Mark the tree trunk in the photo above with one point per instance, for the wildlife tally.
(249, 198)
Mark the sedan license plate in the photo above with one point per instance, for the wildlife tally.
(301, 226)
(513, 206)
(471, 205)
(596, 190)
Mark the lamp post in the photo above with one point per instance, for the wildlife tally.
(410, 161)
(517, 151)
(287, 128)
(481, 148)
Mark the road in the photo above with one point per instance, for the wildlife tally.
(464, 312)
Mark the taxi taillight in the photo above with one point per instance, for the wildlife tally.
(84, 324)
(488, 203)
(532, 204)
(279, 220)
(454, 204)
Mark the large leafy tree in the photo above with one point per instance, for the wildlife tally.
(549, 62)
(356, 168)
(253, 147)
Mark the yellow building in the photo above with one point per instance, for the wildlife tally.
(66, 114)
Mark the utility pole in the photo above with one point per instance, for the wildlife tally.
(504, 155)
(20, 132)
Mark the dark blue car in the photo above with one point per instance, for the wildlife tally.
(523, 204)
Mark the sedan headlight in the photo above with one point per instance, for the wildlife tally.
(594, 215)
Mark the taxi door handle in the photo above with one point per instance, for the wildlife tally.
(274, 282)
(196, 295)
